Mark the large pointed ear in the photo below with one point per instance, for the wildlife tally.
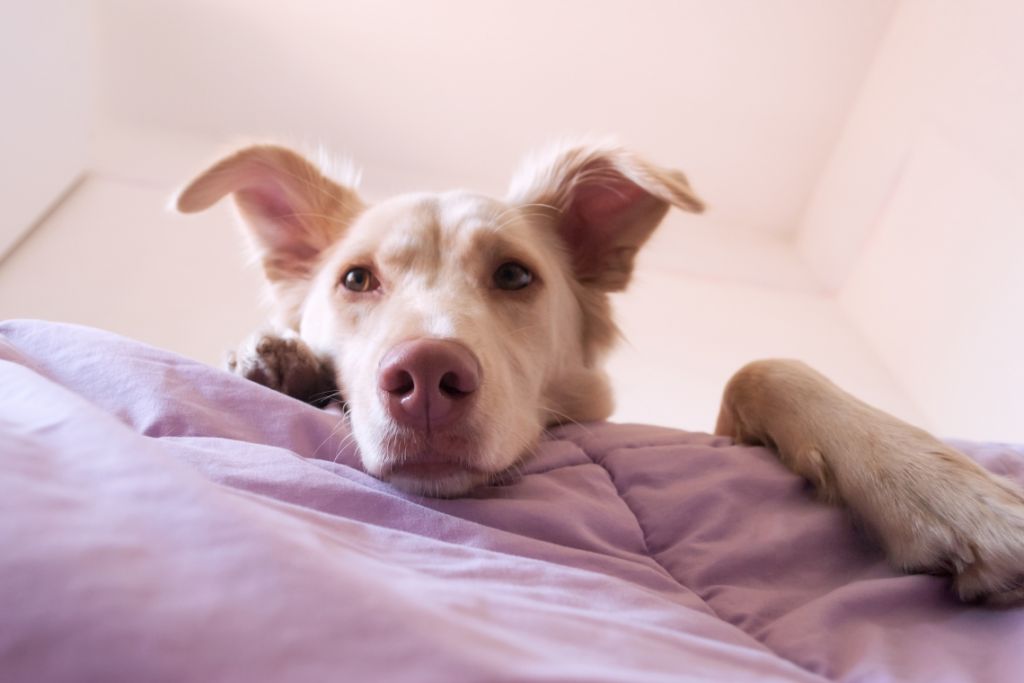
(604, 203)
(290, 208)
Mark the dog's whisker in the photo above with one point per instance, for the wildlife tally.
(345, 443)
(521, 208)
(539, 204)
(315, 184)
(498, 228)
(331, 395)
(311, 214)
(563, 418)
(521, 212)
(337, 427)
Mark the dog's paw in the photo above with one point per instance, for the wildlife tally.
(966, 521)
(284, 363)
(937, 511)
(933, 508)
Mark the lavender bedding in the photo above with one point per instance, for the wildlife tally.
(165, 521)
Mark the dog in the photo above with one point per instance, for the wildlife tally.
(458, 327)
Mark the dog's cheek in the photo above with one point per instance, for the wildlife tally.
(369, 438)
(505, 433)
(357, 378)
(369, 420)
(510, 407)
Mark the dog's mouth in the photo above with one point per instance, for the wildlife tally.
(428, 463)
(437, 465)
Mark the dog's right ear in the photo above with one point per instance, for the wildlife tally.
(603, 202)
(290, 208)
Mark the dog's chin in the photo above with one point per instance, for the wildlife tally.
(443, 465)
(436, 481)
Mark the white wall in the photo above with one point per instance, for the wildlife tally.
(112, 256)
(919, 219)
(747, 96)
(702, 303)
(899, 153)
(45, 75)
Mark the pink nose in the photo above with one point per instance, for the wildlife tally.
(428, 384)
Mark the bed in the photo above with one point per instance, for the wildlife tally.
(163, 520)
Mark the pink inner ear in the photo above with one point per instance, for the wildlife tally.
(266, 199)
(276, 218)
(607, 197)
(594, 222)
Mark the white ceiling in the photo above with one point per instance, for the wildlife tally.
(747, 96)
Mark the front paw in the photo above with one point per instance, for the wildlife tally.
(933, 508)
(949, 515)
(284, 363)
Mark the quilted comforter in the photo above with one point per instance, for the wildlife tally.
(162, 520)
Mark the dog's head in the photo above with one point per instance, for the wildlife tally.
(459, 325)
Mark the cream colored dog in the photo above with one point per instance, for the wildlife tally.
(458, 327)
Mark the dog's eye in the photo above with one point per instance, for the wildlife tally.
(360, 280)
(512, 276)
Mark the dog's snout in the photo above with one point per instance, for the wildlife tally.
(428, 383)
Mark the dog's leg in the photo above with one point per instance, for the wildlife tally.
(932, 508)
(285, 363)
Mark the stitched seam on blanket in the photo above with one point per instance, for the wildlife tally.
(651, 555)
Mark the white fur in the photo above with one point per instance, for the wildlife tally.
(575, 217)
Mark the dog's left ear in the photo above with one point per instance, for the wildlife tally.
(604, 202)
(290, 208)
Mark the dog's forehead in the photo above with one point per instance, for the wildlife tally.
(430, 226)
(448, 212)
(465, 211)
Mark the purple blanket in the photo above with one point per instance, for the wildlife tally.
(166, 521)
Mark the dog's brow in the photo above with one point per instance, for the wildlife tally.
(497, 246)
(406, 251)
